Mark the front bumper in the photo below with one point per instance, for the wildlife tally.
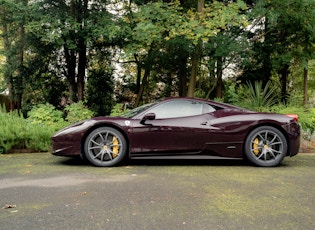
(66, 148)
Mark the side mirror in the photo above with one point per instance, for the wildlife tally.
(149, 116)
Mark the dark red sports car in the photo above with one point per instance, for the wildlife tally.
(182, 128)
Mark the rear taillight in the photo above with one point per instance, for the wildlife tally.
(294, 116)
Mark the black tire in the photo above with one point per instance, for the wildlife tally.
(105, 147)
(266, 146)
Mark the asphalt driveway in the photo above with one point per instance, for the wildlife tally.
(41, 191)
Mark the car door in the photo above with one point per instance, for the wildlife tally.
(179, 127)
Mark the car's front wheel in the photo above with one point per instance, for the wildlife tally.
(105, 146)
(266, 146)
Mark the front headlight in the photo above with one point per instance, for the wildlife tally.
(74, 127)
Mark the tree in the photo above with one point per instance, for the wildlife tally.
(100, 85)
(100, 91)
(62, 24)
(72, 28)
(282, 35)
(13, 18)
(156, 24)
(207, 22)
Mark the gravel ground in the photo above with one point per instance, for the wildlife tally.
(41, 191)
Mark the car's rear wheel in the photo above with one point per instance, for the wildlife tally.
(266, 146)
(105, 146)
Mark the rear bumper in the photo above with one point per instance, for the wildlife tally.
(294, 148)
(294, 139)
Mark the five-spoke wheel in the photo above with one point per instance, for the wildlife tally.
(105, 146)
(266, 146)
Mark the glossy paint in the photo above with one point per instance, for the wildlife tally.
(219, 133)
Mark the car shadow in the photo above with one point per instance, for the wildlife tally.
(73, 161)
(187, 162)
(77, 161)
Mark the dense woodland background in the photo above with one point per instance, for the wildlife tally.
(104, 52)
(66, 60)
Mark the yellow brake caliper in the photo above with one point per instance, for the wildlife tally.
(255, 146)
(115, 147)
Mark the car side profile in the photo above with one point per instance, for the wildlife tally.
(182, 128)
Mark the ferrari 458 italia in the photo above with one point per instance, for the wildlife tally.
(182, 128)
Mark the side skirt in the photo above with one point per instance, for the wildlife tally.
(184, 157)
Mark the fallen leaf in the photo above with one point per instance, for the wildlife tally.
(9, 206)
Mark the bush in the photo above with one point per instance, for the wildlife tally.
(306, 117)
(257, 97)
(10, 126)
(34, 132)
(19, 133)
(77, 112)
(45, 114)
(118, 110)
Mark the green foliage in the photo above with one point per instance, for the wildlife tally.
(231, 96)
(45, 114)
(306, 117)
(196, 26)
(34, 132)
(118, 110)
(77, 112)
(19, 133)
(257, 96)
(99, 91)
(158, 21)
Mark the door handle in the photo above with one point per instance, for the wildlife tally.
(205, 123)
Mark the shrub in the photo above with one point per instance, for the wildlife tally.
(19, 133)
(257, 97)
(77, 112)
(45, 114)
(10, 126)
(118, 110)
(306, 117)
(39, 137)
(34, 132)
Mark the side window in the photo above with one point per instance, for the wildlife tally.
(180, 108)
(208, 108)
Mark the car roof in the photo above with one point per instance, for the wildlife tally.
(215, 103)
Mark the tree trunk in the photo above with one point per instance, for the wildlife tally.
(143, 84)
(19, 80)
(267, 51)
(81, 70)
(212, 74)
(195, 59)
(8, 74)
(81, 15)
(71, 66)
(182, 75)
(194, 71)
(219, 81)
(305, 88)
(138, 80)
(14, 60)
(284, 72)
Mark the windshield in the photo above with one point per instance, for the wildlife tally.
(137, 110)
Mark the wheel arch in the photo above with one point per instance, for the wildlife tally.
(285, 134)
(91, 129)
